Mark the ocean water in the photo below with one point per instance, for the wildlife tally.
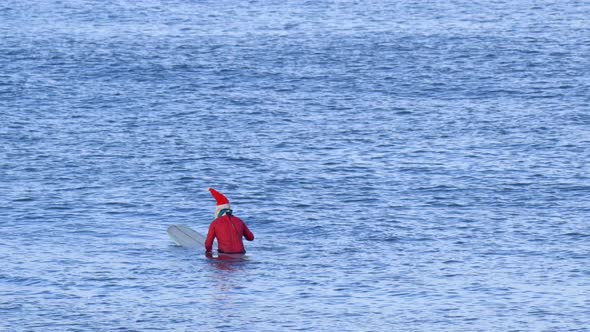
(404, 165)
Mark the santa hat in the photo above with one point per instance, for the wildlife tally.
(222, 201)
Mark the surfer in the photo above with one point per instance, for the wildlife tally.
(227, 228)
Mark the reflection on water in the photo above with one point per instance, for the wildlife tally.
(227, 262)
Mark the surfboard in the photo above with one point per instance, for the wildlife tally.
(186, 237)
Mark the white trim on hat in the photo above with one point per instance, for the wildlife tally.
(221, 207)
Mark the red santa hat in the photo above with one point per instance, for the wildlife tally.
(222, 201)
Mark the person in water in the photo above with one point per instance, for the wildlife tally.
(227, 228)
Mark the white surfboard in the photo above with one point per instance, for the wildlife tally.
(186, 237)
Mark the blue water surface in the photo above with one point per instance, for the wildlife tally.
(405, 165)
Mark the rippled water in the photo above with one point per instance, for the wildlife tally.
(404, 165)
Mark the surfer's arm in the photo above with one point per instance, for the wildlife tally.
(247, 234)
(210, 237)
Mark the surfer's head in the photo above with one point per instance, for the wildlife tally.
(222, 203)
(223, 212)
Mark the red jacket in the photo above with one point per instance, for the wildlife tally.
(229, 231)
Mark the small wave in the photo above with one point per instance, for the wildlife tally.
(576, 235)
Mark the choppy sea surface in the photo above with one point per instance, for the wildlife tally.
(404, 165)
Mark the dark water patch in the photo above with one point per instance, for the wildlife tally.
(575, 235)
(23, 200)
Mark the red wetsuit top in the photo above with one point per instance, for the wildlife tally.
(229, 231)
